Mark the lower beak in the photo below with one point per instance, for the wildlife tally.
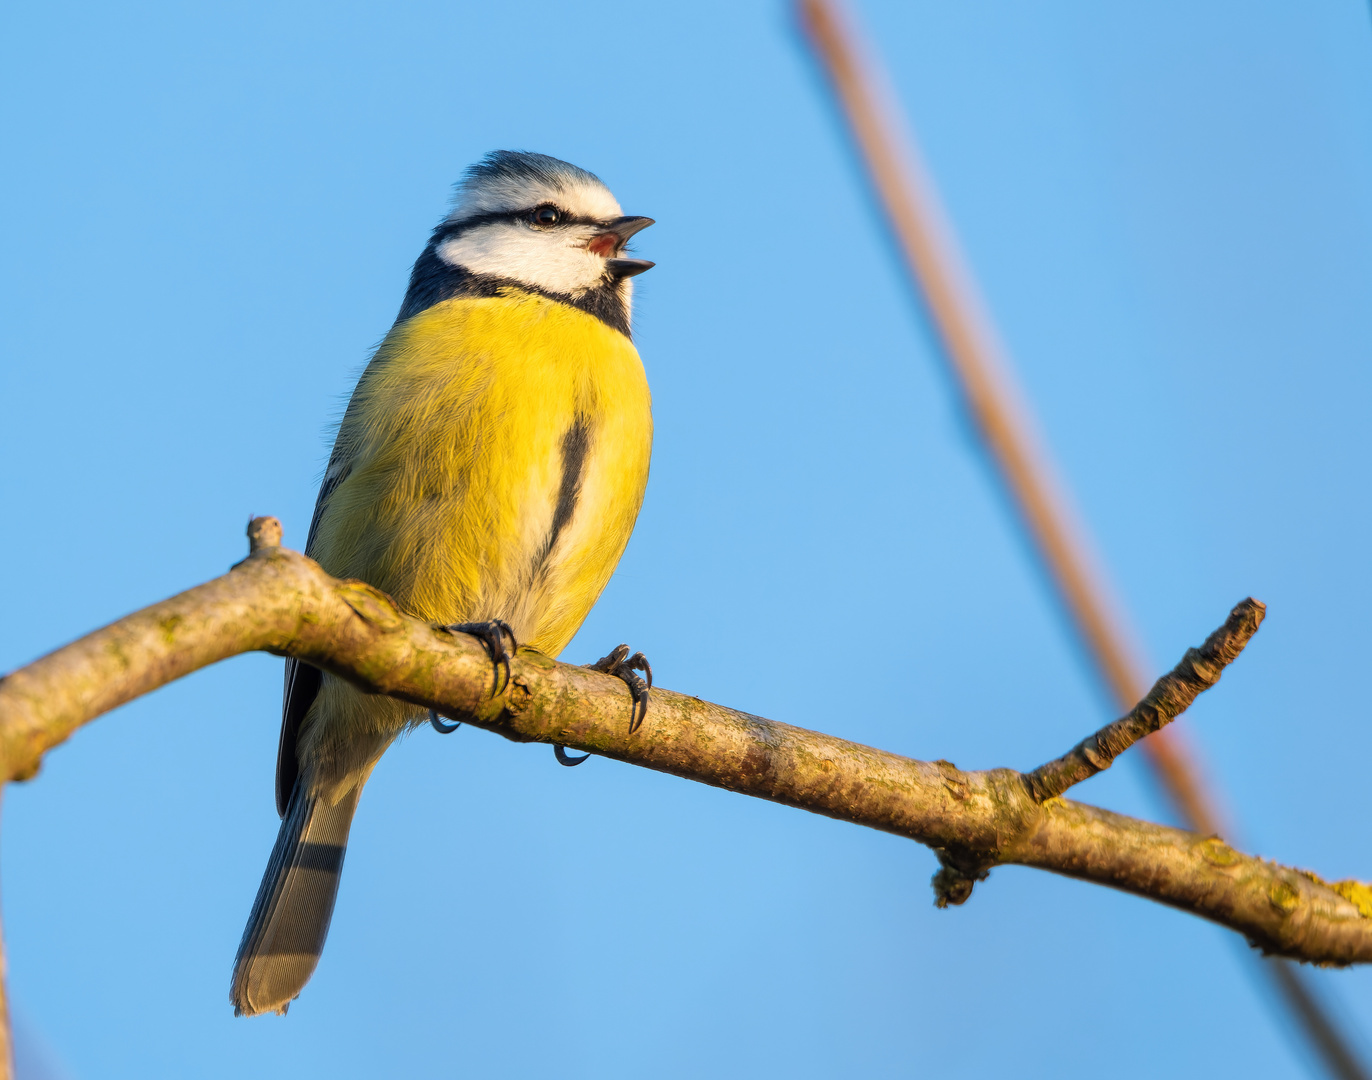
(622, 268)
(622, 229)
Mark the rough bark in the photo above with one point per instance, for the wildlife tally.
(282, 602)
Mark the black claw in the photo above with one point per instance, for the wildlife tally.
(491, 634)
(639, 662)
(564, 758)
(640, 711)
(621, 665)
(440, 727)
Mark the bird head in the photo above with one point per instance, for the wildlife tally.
(535, 220)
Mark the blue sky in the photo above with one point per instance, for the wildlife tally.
(211, 214)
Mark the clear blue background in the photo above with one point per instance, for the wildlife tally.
(209, 214)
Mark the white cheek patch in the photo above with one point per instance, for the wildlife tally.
(547, 260)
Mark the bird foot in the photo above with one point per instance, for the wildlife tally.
(622, 666)
(491, 634)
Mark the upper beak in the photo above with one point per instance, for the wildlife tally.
(626, 227)
(622, 229)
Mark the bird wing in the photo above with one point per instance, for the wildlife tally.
(303, 680)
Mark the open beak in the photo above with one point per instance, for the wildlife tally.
(613, 238)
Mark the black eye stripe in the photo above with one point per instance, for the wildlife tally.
(448, 229)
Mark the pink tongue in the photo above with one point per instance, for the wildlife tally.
(603, 244)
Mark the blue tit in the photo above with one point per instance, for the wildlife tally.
(487, 474)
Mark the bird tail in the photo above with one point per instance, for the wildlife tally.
(290, 917)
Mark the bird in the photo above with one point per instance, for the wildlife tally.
(487, 472)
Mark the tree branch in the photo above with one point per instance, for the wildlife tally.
(282, 602)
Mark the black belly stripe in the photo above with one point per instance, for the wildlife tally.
(575, 445)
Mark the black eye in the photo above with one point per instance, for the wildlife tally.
(547, 215)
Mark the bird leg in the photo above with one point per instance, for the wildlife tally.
(622, 666)
(491, 634)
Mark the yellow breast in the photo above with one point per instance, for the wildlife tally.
(494, 455)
